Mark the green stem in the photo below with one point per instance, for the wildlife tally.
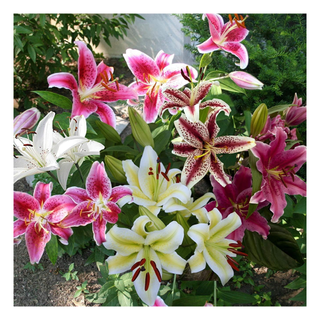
(215, 293)
(82, 178)
(173, 284)
(53, 176)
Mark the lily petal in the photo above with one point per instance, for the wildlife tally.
(120, 263)
(123, 240)
(36, 240)
(166, 240)
(172, 262)
(98, 182)
(197, 262)
(23, 202)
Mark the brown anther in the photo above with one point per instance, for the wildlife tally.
(117, 84)
(156, 270)
(138, 264)
(135, 276)
(75, 120)
(165, 176)
(237, 252)
(184, 76)
(28, 145)
(147, 283)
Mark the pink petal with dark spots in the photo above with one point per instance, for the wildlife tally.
(195, 168)
(87, 67)
(42, 192)
(19, 228)
(233, 144)
(195, 133)
(36, 240)
(23, 202)
(98, 182)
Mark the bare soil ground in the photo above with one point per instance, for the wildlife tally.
(45, 286)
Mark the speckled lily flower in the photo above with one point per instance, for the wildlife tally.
(98, 203)
(95, 87)
(227, 37)
(40, 215)
(153, 76)
(199, 143)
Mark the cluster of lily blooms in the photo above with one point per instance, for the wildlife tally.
(149, 248)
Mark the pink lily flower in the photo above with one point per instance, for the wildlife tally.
(40, 215)
(190, 100)
(245, 80)
(199, 143)
(227, 37)
(97, 204)
(295, 114)
(95, 87)
(235, 197)
(153, 77)
(278, 167)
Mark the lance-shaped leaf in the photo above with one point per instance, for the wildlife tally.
(279, 252)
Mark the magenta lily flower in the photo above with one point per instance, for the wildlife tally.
(199, 143)
(278, 167)
(227, 37)
(235, 197)
(95, 87)
(190, 100)
(153, 77)
(97, 204)
(295, 114)
(40, 215)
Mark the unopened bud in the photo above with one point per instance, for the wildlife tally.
(140, 129)
(245, 80)
(25, 121)
(115, 167)
(258, 120)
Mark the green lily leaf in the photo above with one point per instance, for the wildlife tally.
(279, 252)
(55, 98)
(52, 249)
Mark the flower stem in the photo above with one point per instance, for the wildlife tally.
(53, 176)
(82, 178)
(214, 293)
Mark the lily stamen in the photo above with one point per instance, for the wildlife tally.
(156, 270)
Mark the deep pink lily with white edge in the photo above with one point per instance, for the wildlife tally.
(98, 203)
(235, 197)
(95, 87)
(40, 215)
(278, 167)
(227, 37)
(199, 143)
(153, 76)
(190, 100)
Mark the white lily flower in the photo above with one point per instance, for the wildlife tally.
(37, 155)
(146, 254)
(76, 154)
(152, 185)
(212, 247)
(191, 207)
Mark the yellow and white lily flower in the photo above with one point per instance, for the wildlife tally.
(212, 246)
(196, 208)
(152, 185)
(146, 254)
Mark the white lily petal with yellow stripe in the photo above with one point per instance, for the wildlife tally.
(212, 245)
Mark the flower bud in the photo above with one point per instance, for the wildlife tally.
(258, 120)
(115, 167)
(245, 80)
(25, 121)
(140, 129)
